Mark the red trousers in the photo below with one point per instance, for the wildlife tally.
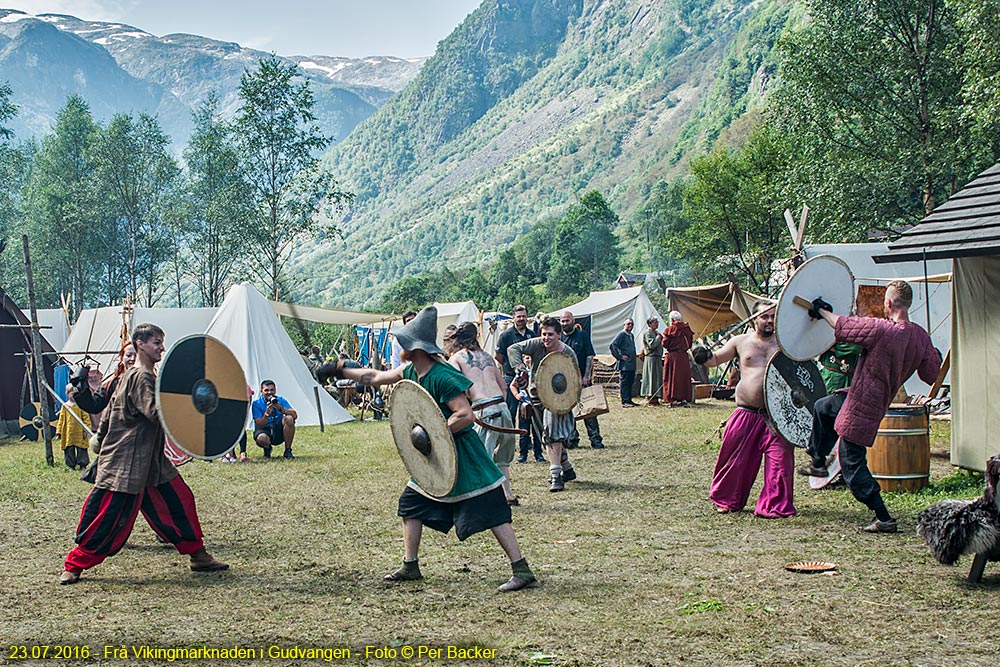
(107, 519)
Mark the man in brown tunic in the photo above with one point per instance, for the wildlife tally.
(134, 474)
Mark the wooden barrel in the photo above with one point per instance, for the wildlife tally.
(900, 459)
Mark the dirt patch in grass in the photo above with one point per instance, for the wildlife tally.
(635, 567)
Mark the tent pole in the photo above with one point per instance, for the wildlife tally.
(36, 349)
(927, 297)
(319, 408)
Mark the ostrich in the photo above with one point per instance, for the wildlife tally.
(956, 527)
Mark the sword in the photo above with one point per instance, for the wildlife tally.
(499, 429)
(71, 413)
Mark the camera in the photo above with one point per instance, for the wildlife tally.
(273, 401)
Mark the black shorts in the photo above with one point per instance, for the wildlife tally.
(276, 433)
(469, 517)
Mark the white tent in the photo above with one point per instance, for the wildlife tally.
(55, 319)
(328, 315)
(608, 311)
(248, 325)
(454, 313)
(99, 330)
(858, 257)
(97, 334)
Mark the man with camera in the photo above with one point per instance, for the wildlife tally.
(273, 420)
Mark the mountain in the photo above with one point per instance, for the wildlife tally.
(527, 105)
(117, 67)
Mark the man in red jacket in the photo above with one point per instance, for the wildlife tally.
(893, 349)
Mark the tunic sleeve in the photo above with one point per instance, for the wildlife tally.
(142, 396)
(515, 354)
(863, 331)
(930, 366)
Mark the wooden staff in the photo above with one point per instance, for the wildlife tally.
(36, 352)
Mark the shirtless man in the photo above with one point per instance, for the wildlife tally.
(748, 438)
(488, 401)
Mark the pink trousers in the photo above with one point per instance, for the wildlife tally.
(748, 440)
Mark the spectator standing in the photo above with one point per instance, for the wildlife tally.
(677, 338)
(516, 334)
(652, 362)
(72, 437)
(574, 336)
(623, 350)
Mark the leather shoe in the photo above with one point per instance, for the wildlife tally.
(813, 471)
(68, 577)
(569, 475)
(516, 583)
(599, 445)
(405, 573)
(877, 526)
(523, 458)
(202, 561)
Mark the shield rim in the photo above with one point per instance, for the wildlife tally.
(783, 320)
(558, 404)
(406, 390)
(159, 414)
(767, 403)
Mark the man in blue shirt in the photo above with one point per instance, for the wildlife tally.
(273, 420)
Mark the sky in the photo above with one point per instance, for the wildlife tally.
(350, 28)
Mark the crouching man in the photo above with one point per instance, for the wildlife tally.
(273, 420)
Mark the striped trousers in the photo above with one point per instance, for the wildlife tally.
(107, 519)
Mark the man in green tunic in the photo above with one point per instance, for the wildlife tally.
(837, 365)
(476, 502)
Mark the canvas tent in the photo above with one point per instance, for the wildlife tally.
(966, 230)
(454, 313)
(248, 325)
(328, 315)
(448, 313)
(709, 308)
(55, 327)
(98, 332)
(15, 344)
(608, 311)
(932, 297)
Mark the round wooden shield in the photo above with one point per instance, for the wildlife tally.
(799, 336)
(201, 392)
(791, 388)
(832, 468)
(30, 421)
(422, 438)
(558, 382)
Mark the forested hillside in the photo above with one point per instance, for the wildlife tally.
(525, 107)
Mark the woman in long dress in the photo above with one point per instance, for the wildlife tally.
(652, 362)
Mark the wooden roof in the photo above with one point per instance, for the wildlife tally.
(967, 225)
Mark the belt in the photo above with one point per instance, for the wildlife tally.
(750, 408)
(486, 404)
(833, 369)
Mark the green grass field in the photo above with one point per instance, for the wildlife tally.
(635, 567)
